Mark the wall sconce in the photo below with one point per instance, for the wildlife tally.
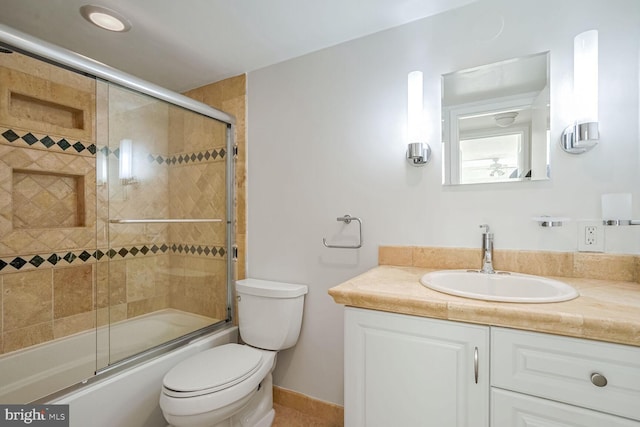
(418, 151)
(583, 135)
(125, 162)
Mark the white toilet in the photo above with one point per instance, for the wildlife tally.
(231, 385)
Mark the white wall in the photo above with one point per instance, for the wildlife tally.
(326, 135)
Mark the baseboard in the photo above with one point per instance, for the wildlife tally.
(332, 413)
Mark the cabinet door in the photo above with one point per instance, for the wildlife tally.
(411, 371)
(509, 409)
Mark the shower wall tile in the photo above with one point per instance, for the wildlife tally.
(140, 276)
(146, 306)
(230, 96)
(237, 107)
(195, 193)
(163, 275)
(72, 291)
(45, 71)
(110, 283)
(27, 299)
(15, 240)
(233, 87)
(74, 324)
(194, 133)
(202, 288)
(28, 336)
(240, 265)
(113, 314)
(31, 102)
(146, 125)
(42, 201)
(25, 138)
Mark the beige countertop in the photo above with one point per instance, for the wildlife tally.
(605, 310)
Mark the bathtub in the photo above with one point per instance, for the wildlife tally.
(131, 398)
(43, 369)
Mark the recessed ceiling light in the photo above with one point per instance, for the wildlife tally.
(105, 18)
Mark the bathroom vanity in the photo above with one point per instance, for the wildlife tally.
(417, 357)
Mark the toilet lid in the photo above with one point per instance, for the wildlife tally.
(213, 370)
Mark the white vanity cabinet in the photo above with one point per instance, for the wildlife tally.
(413, 371)
(548, 380)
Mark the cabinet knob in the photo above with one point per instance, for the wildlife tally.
(598, 380)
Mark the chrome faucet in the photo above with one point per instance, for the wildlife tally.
(487, 251)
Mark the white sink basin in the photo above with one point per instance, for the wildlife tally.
(501, 286)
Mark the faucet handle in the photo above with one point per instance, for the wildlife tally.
(486, 227)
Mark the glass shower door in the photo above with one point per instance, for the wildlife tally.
(164, 269)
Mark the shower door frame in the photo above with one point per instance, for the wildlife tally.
(50, 53)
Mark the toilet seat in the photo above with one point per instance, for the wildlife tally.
(191, 403)
(195, 376)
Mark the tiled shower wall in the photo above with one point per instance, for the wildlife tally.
(59, 272)
(230, 96)
(47, 202)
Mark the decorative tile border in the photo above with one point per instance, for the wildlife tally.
(180, 159)
(49, 142)
(65, 259)
(189, 157)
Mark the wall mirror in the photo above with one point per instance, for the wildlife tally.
(495, 122)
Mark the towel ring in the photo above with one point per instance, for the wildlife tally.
(347, 220)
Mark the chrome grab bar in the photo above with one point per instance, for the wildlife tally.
(163, 221)
(347, 220)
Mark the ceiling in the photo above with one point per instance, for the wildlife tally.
(182, 44)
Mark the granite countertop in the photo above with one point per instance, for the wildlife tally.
(605, 310)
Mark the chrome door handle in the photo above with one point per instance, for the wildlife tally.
(475, 364)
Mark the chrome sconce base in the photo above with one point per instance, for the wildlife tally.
(418, 153)
(580, 137)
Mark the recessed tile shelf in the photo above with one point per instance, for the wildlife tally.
(39, 105)
(30, 108)
(47, 199)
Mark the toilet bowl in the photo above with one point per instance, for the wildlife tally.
(231, 385)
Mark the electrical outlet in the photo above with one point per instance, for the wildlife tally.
(590, 236)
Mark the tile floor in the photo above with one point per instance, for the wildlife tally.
(288, 417)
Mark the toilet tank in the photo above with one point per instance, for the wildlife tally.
(269, 313)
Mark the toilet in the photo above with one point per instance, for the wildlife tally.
(231, 385)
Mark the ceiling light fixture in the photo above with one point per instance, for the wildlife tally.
(105, 18)
(505, 119)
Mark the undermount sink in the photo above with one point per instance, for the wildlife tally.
(500, 286)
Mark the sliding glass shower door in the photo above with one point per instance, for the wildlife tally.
(114, 216)
(162, 204)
